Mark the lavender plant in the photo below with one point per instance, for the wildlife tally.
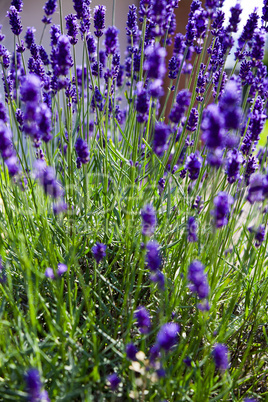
(133, 214)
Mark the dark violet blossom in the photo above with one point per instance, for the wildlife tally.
(29, 37)
(233, 162)
(154, 63)
(99, 20)
(222, 203)
(143, 320)
(55, 33)
(234, 18)
(193, 165)
(14, 20)
(111, 40)
(18, 4)
(72, 28)
(198, 279)
(161, 134)
(213, 127)
(193, 120)
(259, 234)
(220, 355)
(168, 336)
(99, 251)
(62, 268)
(34, 387)
(148, 216)
(113, 381)
(50, 8)
(82, 152)
(49, 273)
(131, 351)
(63, 56)
(152, 256)
(30, 89)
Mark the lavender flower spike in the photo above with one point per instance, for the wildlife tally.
(148, 216)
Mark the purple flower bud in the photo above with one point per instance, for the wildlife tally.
(29, 37)
(233, 163)
(198, 279)
(193, 165)
(62, 268)
(131, 351)
(222, 203)
(34, 385)
(193, 120)
(111, 40)
(18, 4)
(49, 273)
(152, 257)
(161, 134)
(182, 102)
(213, 127)
(99, 20)
(99, 251)
(50, 7)
(168, 336)
(72, 28)
(82, 150)
(30, 89)
(14, 21)
(220, 355)
(12, 165)
(114, 381)
(91, 45)
(63, 56)
(148, 216)
(143, 320)
(155, 62)
(55, 33)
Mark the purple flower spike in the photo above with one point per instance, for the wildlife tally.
(82, 151)
(131, 351)
(193, 165)
(114, 381)
(153, 258)
(220, 355)
(168, 336)
(161, 134)
(18, 4)
(99, 251)
(148, 216)
(143, 320)
(99, 20)
(30, 89)
(222, 203)
(155, 62)
(62, 268)
(198, 279)
(33, 387)
(14, 21)
(111, 40)
(49, 273)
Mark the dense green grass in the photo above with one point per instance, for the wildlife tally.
(74, 329)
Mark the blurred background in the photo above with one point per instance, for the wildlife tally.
(33, 12)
